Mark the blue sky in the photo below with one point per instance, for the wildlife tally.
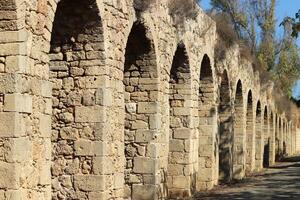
(283, 8)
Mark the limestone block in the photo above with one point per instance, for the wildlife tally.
(19, 149)
(178, 111)
(58, 66)
(18, 103)
(89, 183)
(8, 49)
(94, 82)
(98, 195)
(9, 174)
(182, 133)
(155, 121)
(176, 145)
(181, 182)
(144, 192)
(14, 194)
(175, 170)
(100, 148)
(148, 107)
(83, 147)
(130, 107)
(205, 174)
(45, 125)
(144, 165)
(13, 36)
(139, 124)
(119, 180)
(104, 97)
(17, 64)
(89, 114)
(11, 124)
(102, 165)
(45, 173)
(144, 136)
(69, 133)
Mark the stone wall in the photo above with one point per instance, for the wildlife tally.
(102, 101)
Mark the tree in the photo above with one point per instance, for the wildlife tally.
(264, 10)
(295, 24)
(287, 70)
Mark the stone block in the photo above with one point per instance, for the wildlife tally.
(89, 183)
(103, 165)
(181, 182)
(155, 122)
(45, 173)
(139, 124)
(89, 114)
(144, 192)
(176, 145)
(17, 64)
(119, 180)
(13, 36)
(144, 165)
(181, 111)
(130, 107)
(11, 124)
(148, 107)
(46, 89)
(83, 147)
(182, 133)
(10, 177)
(9, 49)
(100, 148)
(19, 149)
(144, 136)
(104, 97)
(45, 125)
(18, 103)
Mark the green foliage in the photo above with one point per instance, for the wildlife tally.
(248, 18)
(265, 16)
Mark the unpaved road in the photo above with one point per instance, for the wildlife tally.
(280, 183)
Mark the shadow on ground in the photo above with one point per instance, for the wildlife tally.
(278, 182)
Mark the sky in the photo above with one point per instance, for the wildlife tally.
(283, 8)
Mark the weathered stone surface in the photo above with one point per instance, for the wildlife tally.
(10, 175)
(89, 183)
(97, 104)
(89, 114)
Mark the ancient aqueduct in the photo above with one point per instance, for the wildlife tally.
(99, 103)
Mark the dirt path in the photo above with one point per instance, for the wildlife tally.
(281, 182)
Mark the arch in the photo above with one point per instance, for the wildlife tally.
(225, 130)
(180, 133)
(141, 107)
(258, 137)
(207, 117)
(239, 158)
(76, 58)
(266, 139)
(250, 144)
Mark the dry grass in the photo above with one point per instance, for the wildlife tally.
(227, 36)
(181, 10)
(142, 5)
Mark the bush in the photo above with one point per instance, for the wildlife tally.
(181, 10)
(142, 5)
